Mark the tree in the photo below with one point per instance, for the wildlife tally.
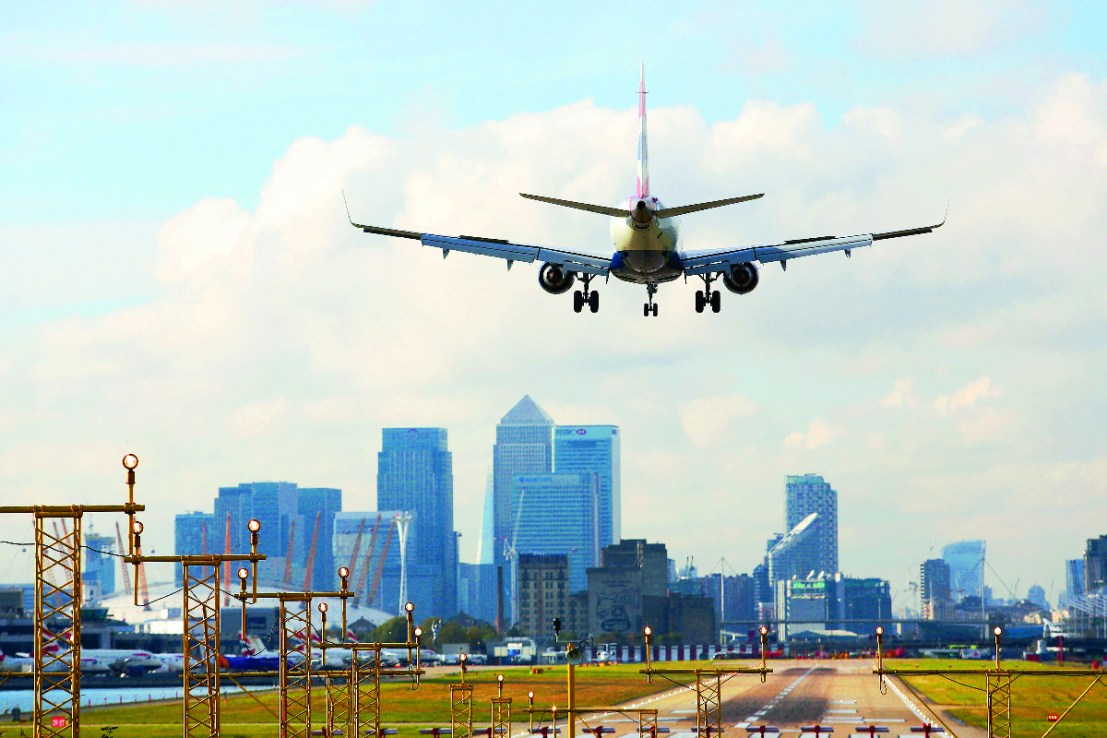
(393, 630)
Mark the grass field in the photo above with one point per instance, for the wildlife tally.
(402, 707)
(1033, 696)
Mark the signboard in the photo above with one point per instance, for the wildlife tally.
(1053, 717)
(58, 721)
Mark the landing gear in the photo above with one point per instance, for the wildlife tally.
(708, 296)
(650, 308)
(586, 296)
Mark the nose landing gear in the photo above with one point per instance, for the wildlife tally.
(708, 296)
(586, 296)
(650, 308)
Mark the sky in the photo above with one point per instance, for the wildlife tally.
(180, 279)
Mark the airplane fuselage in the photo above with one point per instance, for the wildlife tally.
(645, 245)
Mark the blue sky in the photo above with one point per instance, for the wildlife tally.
(181, 280)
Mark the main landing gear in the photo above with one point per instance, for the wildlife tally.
(708, 296)
(650, 308)
(586, 296)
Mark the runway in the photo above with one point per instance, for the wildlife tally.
(843, 695)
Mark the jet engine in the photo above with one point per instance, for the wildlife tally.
(554, 279)
(742, 278)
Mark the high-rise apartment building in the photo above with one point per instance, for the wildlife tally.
(1095, 565)
(934, 591)
(415, 474)
(524, 445)
(195, 533)
(806, 494)
(966, 569)
(594, 449)
(557, 514)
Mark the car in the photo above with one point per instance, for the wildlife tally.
(727, 655)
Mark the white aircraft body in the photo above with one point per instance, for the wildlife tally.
(119, 659)
(89, 664)
(646, 236)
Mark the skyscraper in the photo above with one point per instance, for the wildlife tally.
(934, 592)
(806, 494)
(557, 514)
(594, 449)
(194, 533)
(415, 474)
(1095, 565)
(98, 573)
(523, 446)
(966, 569)
(319, 504)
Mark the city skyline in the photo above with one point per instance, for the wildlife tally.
(183, 281)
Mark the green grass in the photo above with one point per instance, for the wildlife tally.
(401, 706)
(1033, 696)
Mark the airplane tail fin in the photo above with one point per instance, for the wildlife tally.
(642, 187)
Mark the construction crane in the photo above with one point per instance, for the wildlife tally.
(380, 564)
(363, 580)
(126, 574)
(357, 550)
(308, 569)
(287, 579)
(511, 554)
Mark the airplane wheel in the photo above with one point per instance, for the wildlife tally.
(655, 310)
(716, 302)
(578, 301)
(699, 301)
(594, 302)
(646, 310)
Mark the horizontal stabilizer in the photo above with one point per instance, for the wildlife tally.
(696, 207)
(601, 209)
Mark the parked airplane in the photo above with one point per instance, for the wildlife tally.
(646, 237)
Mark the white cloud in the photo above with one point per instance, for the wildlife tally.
(965, 397)
(947, 27)
(902, 394)
(818, 433)
(717, 421)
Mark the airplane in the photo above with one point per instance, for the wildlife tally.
(646, 235)
(93, 660)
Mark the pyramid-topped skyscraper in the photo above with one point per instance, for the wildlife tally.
(524, 445)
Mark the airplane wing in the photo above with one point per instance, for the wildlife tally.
(500, 249)
(720, 260)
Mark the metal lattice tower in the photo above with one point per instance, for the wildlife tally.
(57, 650)
(461, 710)
(999, 704)
(338, 704)
(367, 694)
(501, 716)
(709, 713)
(296, 677)
(201, 649)
(647, 723)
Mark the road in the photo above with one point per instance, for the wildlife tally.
(838, 694)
